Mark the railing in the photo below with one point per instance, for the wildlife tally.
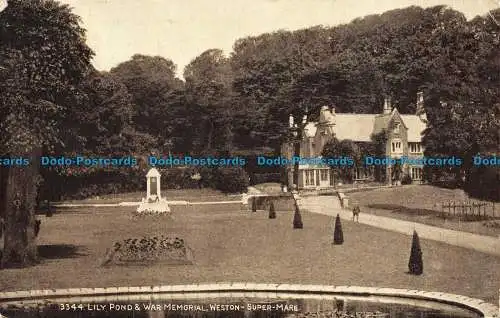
(466, 209)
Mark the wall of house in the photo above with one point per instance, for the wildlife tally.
(392, 136)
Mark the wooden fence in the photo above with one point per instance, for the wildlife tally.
(484, 210)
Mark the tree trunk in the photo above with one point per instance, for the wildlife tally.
(210, 135)
(4, 171)
(3, 191)
(20, 248)
(296, 153)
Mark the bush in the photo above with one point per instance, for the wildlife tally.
(272, 211)
(483, 182)
(338, 235)
(231, 179)
(57, 186)
(282, 201)
(415, 265)
(406, 179)
(258, 178)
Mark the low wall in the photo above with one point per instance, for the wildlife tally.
(260, 290)
(282, 202)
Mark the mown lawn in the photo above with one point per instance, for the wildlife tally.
(423, 204)
(235, 245)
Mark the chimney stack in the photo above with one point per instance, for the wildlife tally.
(387, 105)
(326, 116)
(420, 112)
(420, 103)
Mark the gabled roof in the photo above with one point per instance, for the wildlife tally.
(415, 126)
(356, 127)
(360, 127)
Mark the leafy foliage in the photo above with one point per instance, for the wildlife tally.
(44, 58)
(208, 91)
(342, 148)
(153, 86)
(231, 179)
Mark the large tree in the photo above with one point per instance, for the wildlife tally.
(44, 57)
(104, 129)
(209, 93)
(264, 68)
(151, 81)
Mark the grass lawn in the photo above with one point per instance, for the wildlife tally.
(192, 195)
(235, 245)
(422, 204)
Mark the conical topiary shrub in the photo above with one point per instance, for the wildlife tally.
(338, 235)
(297, 219)
(272, 211)
(416, 265)
(254, 204)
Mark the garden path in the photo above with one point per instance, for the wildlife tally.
(330, 205)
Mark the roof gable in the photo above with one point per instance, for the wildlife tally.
(396, 116)
(415, 127)
(361, 127)
(355, 127)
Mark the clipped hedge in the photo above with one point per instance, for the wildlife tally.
(282, 202)
(230, 179)
(258, 178)
(101, 182)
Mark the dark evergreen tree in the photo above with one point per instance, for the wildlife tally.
(338, 235)
(416, 265)
(272, 211)
(297, 219)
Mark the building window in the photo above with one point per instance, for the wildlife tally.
(416, 173)
(396, 128)
(415, 147)
(396, 146)
(309, 177)
(324, 175)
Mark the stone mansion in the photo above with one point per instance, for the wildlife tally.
(404, 135)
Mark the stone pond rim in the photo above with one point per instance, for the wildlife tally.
(474, 305)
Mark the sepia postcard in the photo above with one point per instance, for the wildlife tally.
(236, 158)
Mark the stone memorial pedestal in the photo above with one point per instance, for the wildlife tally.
(153, 203)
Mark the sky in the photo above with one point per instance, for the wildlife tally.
(183, 29)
